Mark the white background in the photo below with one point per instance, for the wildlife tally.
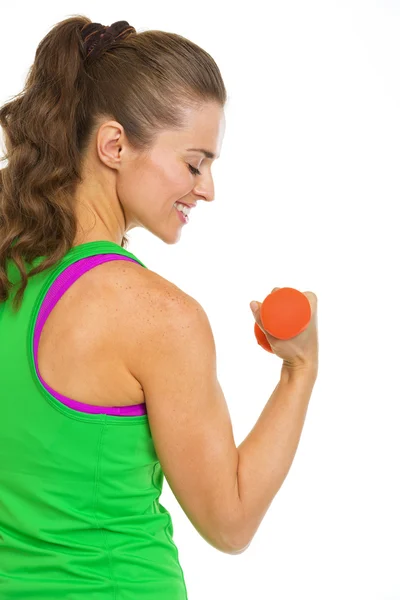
(306, 196)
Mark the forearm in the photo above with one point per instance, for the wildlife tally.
(265, 456)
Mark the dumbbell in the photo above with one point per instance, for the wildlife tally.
(284, 314)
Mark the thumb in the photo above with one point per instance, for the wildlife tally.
(254, 307)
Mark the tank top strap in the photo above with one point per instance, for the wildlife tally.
(76, 262)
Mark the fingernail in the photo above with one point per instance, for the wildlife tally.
(253, 306)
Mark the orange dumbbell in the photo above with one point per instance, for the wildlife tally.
(284, 314)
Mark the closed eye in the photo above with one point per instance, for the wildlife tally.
(194, 170)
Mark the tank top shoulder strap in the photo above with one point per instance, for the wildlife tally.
(98, 248)
(74, 264)
(77, 261)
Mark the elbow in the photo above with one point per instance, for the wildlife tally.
(235, 529)
(236, 540)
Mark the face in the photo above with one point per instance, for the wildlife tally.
(149, 185)
(140, 189)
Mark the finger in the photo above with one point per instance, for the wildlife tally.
(311, 295)
(313, 300)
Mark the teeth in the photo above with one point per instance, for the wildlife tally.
(182, 208)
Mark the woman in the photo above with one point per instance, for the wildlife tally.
(108, 377)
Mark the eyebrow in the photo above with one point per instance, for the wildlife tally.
(207, 153)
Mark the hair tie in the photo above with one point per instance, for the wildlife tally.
(97, 38)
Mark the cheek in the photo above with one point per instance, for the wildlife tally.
(156, 181)
(138, 183)
(174, 182)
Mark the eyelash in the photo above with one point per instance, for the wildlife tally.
(194, 170)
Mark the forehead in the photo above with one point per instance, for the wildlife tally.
(210, 119)
(204, 129)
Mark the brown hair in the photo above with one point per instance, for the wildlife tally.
(144, 81)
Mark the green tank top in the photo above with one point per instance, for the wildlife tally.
(80, 516)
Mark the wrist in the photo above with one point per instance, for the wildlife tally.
(307, 371)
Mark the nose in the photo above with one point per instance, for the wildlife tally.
(205, 187)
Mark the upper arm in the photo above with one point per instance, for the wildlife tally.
(175, 362)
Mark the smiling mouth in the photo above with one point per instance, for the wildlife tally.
(184, 218)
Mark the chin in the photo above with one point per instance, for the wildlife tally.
(169, 238)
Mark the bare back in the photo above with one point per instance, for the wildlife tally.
(82, 353)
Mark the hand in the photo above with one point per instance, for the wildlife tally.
(301, 351)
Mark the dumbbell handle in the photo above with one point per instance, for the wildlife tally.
(284, 314)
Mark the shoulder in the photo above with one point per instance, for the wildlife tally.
(142, 296)
(147, 315)
(132, 278)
